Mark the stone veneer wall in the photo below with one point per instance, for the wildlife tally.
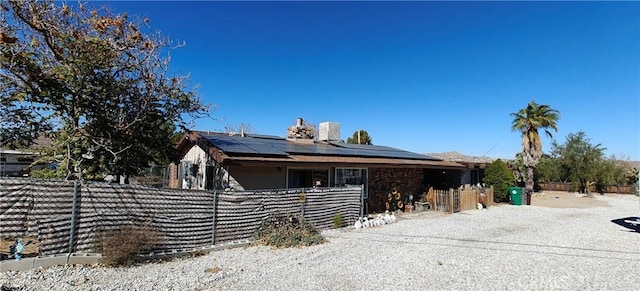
(383, 180)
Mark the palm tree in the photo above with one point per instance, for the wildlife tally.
(528, 120)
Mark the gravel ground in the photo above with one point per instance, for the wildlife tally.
(503, 247)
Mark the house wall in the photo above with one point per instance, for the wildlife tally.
(465, 176)
(197, 170)
(381, 181)
(259, 177)
(384, 180)
(444, 178)
(193, 166)
(472, 176)
(12, 163)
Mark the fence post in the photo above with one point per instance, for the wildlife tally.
(303, 208)
(435, 200)
(361, 200)
(73, 216)
(215, 211)
(165, 177)
(492, 197)
(451, 200)
(302, 198)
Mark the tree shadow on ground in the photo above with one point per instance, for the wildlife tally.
(631, 226)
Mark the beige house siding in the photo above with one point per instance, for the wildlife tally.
(258, 177)
(196, 176)
(197, 158)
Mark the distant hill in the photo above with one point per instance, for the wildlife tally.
(635, 164)
(458, 157)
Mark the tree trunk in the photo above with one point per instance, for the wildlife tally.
(587, 190)
(582, 188)
(529, 185)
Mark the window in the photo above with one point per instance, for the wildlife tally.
(21, 159)
(301, 178)
(187, 175)
(352, 177)
(475, 177)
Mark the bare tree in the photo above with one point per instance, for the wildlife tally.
(240, 128)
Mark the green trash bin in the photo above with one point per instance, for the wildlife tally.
(515, 195)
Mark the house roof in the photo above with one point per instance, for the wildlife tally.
(458, 157)
(39, 143)
(261, 150)
(468, 161)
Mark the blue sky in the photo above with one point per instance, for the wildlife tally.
(420, 76)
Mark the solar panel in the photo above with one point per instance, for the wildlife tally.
(242, 145)
(300, 148)
(263, 147)
(265, 136)
(363, 146)
(382, 151)
(432, 158)
(267, 146)
(275, 146)
(229, 145)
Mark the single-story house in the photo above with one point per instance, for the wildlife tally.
(17, 162)
(472, 173)
(14, 163)
(251, 161)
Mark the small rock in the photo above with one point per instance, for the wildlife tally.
(212, 270)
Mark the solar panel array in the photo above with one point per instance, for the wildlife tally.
(257, 146)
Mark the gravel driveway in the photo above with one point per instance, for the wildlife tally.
(503, 247)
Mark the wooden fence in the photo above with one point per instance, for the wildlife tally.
(620, 189)
(456, 200)
(65, 217)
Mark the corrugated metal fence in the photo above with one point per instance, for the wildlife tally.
(185, 219)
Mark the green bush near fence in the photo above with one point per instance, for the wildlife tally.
(337, 220)
(498, 175)
(285, 231)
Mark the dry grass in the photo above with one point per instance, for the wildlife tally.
(121, 247)
(285, 231)
(560, 199)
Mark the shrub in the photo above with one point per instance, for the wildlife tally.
(287, 231)
(121, 247)
(498, 175)
(337, 220)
